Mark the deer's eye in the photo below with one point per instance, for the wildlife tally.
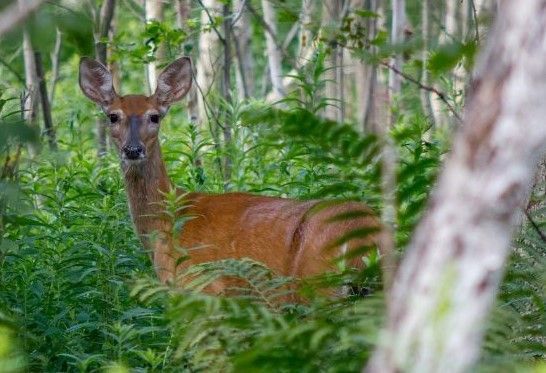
(113, 118)
(154, 118)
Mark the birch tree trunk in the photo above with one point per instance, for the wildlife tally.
(242, 38)
(331, 17)
(366, 75)
(226, 92)
(452, 31)
(30, 106)
(210, 53)
(306, 48)
(183, 12)
(447, 283)
(426, 100)
(153, 10)
(397, 37)
(306, 34)
(273, 50)
(389, 156)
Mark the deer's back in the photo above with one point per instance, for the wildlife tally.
(294, 238)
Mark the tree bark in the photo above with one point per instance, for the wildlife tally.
(226, 92)
(183, 12)
(306, 35)
(273, 50)
(448, 280)
(389, 155)
(331, 18)
(16, 13)
(102, 32)
(153, 10)
(397, 37)
(49, 130)
(426, 100)
(31, 80)
(241, 40)
(366, 78)
(210, 54)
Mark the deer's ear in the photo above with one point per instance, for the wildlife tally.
(96, 82)
(174, 82)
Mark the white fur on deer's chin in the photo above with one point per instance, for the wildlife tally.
(133, 166)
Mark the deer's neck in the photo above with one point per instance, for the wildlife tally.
(146, 184)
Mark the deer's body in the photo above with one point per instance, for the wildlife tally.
(285, 234)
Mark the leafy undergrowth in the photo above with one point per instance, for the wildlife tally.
(78, 293)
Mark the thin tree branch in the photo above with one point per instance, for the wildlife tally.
(270, 32)
(17, 13)
(438, 93)
(239, 13)
(211, 20)
(291, 35)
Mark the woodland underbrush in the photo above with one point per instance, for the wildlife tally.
(78, 293)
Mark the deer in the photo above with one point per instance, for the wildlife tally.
(291, 237)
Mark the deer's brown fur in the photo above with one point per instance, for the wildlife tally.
(291, 237)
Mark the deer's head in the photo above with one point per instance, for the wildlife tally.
(134, 119)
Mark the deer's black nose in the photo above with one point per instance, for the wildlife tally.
(133, 152)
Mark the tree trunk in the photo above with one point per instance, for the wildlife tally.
(241, 40)
(397, 37)
(389, 155)
(31, 80)
(210, 54)
(49, 130)
(16, 13)
(306, 34)
(426, 99)
(153, 10)
(273, 50)
(331, 18)
(102, 32)
(447, 283)
(226, 93)
(366, 74)
(183, 12)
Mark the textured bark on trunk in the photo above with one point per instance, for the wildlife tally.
(389, 155)
(331, 17)
(448, 280)
(210, 54)
(153, 10)
(426, 99)
(366, 75)
(183, 12)
(241, 40)
(49, 130)
(226, 92)
(397, 37)
(103, 27)
(306, 34)
(31, 81)
(306, 48)
(273, 50)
